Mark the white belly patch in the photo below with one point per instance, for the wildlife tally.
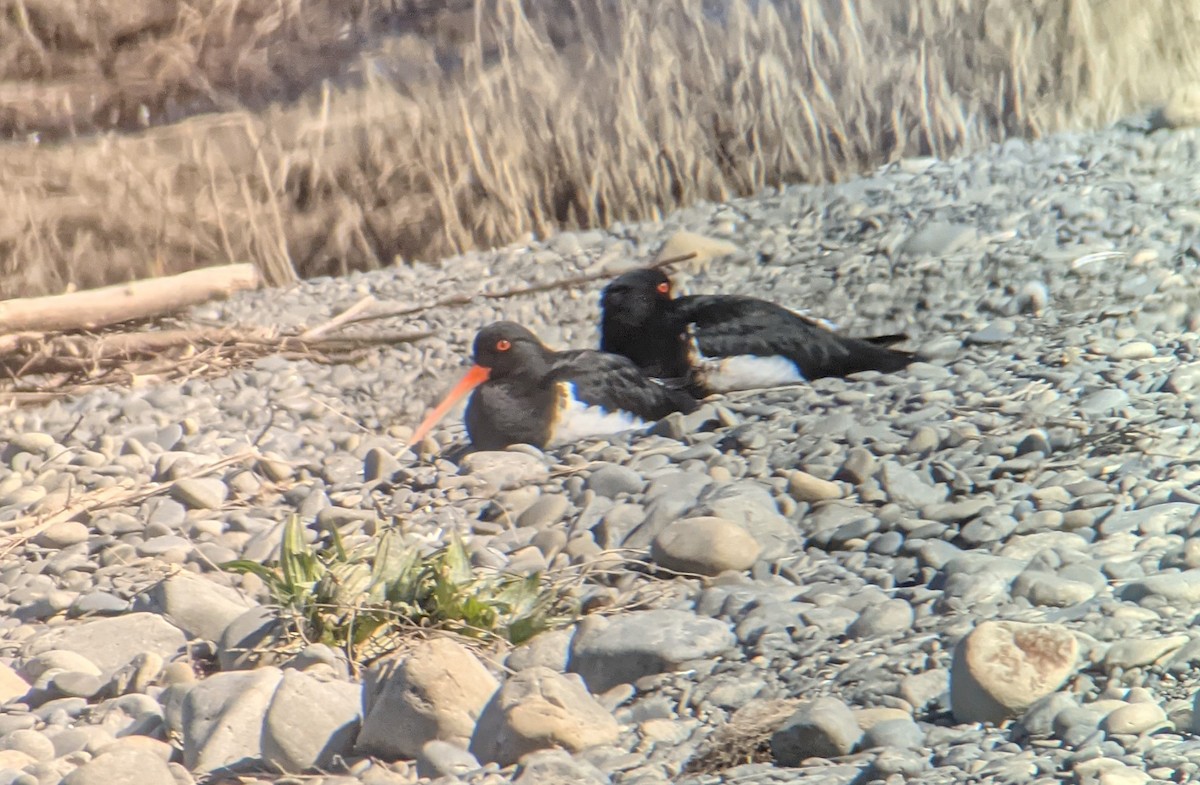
(748, 372)
(577, 420)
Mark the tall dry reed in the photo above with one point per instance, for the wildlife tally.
(604, 111)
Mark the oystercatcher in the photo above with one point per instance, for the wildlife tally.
(722, 342)
(525, 393)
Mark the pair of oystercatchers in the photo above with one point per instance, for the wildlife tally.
(659, 353)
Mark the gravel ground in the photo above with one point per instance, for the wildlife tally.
(1039, 468)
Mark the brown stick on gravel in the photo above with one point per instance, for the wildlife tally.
(465, 298)
(126, 302)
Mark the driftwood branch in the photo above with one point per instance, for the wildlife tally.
(34, 353)
(40, 361)
(109, 305)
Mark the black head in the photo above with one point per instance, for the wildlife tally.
(637, 297)
(506, 348)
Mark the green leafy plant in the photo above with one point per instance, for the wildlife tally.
(365, 599)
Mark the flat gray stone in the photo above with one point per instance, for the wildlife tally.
(622, 649)
(437, 691)
(546, 511)
(222, 719)
(111, 643)
(999, 331)
(822, 728)
(887, 618)
(612, 480)
(750, 505)
(200, 493)
(898, 734)
(195, 604)
(443, 759)
(1047, 589)
(910, 488)
(505, 470)
(122, 767)
(538, 709)
(705, 546)
(1176, 587)
(310, 721)
(547, 766)
(939, 238)
(62, 535)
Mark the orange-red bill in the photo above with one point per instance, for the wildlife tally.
(472, 379)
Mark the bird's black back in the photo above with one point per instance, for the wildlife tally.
(732, 325)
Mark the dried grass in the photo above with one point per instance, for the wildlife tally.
(604, 111)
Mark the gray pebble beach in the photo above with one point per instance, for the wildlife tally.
(1033, 481)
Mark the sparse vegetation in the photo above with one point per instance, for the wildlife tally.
(366, 599)
(514, 119)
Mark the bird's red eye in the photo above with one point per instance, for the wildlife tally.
(664, 288)
(503, 345)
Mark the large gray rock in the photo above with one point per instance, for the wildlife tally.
(309, 721)
(557, 766)
(886, 618)
(910, 488)
(11, 684)
(113, 643)
(248, 640)
(504, 469)
(125, 766)
(540, 709)
(1000, 668)
(197, 605)
(667, 499)
(437, 691)
(622, 649)
(134, 714)
(750, 505)
(549, 649)
(705, 546)
(1176, 588)
(822, 728)
(222, 719)
(443, 759)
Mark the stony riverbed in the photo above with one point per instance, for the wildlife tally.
(1039, 466)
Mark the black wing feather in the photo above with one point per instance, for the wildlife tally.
(615, 382)
(730, 325)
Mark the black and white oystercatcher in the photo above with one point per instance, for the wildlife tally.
(722, 342)
(525, 393)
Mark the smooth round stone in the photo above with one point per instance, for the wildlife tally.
(32, 743)
(1134, 350)
(157, 546)
(33, 442)
(1135, 718)
(894, 734)
(706, 546)
(887, 618)
(73, 684)
(804, 487)
(62, 535)
(546, 511)
(613, 480)
(203, 493)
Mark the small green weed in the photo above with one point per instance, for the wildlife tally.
(364, 600)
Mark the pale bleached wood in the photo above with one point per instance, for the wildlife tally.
(125, 302)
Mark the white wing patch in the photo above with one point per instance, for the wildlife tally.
(748, 372)
(577, 420)
(742, 371)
